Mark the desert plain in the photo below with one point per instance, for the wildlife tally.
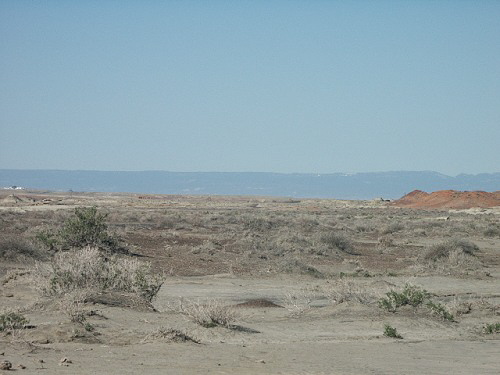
(248, 285)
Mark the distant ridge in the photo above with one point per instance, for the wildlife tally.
(389, 185)
(449, 199)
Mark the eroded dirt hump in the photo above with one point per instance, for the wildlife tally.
(449, 199)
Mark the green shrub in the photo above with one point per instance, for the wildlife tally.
(87, 227)
(491, 328)
(410, 295)
(10, 320)
(391, 332)
(48, 238)
(440, 310)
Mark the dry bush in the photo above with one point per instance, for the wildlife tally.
(72, 304)
(447, 248)
(343, 290)
(296, 266)
(338, 241)
(492, 231)
(18, 248)
(453, 256)
(297, 302)
(457, 262)
(392, 228)
(209, 313)
(385, 242)
(169, 335)
(460, 306)
(88, 269)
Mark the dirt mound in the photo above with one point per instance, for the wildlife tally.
(449, 199)
(12, 199)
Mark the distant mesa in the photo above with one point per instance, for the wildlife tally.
(449, 199)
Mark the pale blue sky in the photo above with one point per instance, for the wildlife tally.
(278, 86)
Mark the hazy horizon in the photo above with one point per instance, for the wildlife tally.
(280, 87)
(256, 172)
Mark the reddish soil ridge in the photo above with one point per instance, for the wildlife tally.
(449, 199)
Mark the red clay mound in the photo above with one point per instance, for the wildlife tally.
(449, 199)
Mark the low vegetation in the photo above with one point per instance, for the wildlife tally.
(440, 311)
(89, 269)
(208, 314)
(11, 320)
(491, 328)
(446, 248)
(87, 227)
(344, 290)
(338, 241)
(169, 335)
(410, 295)
(391, 332)
(414, 296)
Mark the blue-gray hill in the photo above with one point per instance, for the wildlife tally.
(388, 185)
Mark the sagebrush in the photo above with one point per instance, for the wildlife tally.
(89, 269)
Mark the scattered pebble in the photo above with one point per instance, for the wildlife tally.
(65, 362)
(21, 366)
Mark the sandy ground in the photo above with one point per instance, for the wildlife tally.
(304, 330)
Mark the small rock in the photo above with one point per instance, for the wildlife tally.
(9, 295)
(5, 365)
(65, 362)
(21, 366)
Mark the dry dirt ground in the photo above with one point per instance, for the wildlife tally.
(300, 279)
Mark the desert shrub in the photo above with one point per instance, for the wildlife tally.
(391, 332)
(492, 231)
(48, 238)
(72, 305)
(392, 228)
(87, 228)
(491, 328)
(208, 314)
(338, 241)
(344, 290)
(11, 320)
(296, 266)
(258, 224)
(452, 256)
(443, 249)
(410, 295)
(169, 335)
(88, 269)
(363, 228)
(440, 310)
(15, 248)
(297, 302)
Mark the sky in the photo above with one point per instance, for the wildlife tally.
(263, 86)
